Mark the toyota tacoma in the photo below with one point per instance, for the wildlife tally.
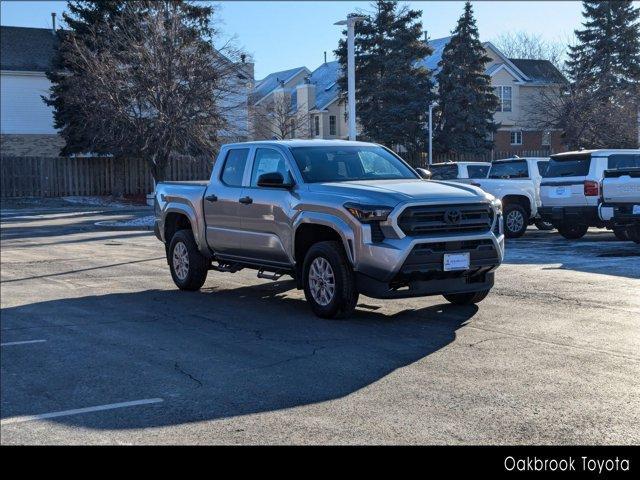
(342, 218)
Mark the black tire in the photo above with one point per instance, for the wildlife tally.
(634, 233)
(520, 219)
(466, 298)
(197, 266)
(542, 225)
(621, 234)
(345, 294)
(573, 231)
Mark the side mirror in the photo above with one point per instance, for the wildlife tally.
(424, 173)
(272, 180)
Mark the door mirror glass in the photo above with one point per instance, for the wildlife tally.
(272, 180)
(424, 173)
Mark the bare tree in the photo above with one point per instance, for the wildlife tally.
(531, 46)
(157, 88)
(279, 119)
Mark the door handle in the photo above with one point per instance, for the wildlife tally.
(246, 200)
(211, 198)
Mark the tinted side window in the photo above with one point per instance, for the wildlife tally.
(478, 171)
(268, 161)
(444, 172)
(543, 166)
(509, 170)
(233, 169)
(624, 161)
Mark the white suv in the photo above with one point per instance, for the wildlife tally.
(516, 182)
(570, 191)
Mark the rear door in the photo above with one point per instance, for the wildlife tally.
(563, 182)
(222, 202)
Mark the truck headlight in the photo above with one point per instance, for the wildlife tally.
(497, 204)
(368, 213)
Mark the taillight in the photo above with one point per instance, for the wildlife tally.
(591, 188)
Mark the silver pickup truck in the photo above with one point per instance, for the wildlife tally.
(341, 218)
(620, 201)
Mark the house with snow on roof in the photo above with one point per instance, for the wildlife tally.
(517, 83)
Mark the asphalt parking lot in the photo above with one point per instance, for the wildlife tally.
(98, 347)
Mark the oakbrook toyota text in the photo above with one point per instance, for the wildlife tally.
(569, 464)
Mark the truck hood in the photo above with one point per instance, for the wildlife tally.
(392, 192)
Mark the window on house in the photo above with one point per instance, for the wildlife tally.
(332, 125)
(316, 126)
(546, 138)
(504, 96)
(516, 137)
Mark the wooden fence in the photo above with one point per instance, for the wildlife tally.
(62, 176)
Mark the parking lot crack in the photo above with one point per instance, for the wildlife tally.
(179, 369)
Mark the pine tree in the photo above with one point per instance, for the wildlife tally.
(608, 53)
(466, 100)
(393, 91)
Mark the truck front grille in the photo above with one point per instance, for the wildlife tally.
(429, 219)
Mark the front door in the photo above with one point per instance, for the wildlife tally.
(265, 220)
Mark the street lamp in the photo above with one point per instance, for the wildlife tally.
(351, 70)
(431, 106)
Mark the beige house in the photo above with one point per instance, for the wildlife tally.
(312, 98)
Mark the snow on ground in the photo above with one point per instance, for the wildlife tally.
(100, 201)
(142, 222)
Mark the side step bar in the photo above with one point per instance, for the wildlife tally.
(269, 276)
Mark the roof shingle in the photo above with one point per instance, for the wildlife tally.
(26, 49)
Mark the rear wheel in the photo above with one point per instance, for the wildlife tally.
(188, 266)
(573, 232)
(515, 220)
(466, 298)
(542, 225)
(329, 282)
(621, 233)
(634, 233)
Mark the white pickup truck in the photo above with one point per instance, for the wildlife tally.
(516, 181)
(621, 201)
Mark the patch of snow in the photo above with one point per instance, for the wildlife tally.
(145, 222)
(100, 201)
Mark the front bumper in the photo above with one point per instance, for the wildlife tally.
(582, 215)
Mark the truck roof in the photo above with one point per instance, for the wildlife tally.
(306, 143)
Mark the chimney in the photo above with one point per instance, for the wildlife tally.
(306, 95)
(325, 56)
(426, 37)
(53, 22)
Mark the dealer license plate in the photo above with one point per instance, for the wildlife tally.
(456, 261)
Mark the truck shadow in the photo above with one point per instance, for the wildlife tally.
(219, 353)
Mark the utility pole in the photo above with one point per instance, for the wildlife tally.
(350, 22)
(431, 131)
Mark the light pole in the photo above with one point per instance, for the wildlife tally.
(431, 105)
(350, 22)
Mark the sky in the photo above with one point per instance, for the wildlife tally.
(286, 34)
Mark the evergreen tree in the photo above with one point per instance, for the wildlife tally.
(393, 91)
(608, 53)
(466, 100)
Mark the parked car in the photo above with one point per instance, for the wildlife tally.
(459, 170)
(570, 191)
(516, 182)
(342, 218)
(620, 201)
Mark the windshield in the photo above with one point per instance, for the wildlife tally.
(347, 163)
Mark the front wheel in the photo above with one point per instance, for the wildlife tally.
(188, 266)
(329, 282)
(573, 232)
(515, 220)
(466, 298)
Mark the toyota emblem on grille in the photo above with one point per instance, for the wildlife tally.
(453, 216)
